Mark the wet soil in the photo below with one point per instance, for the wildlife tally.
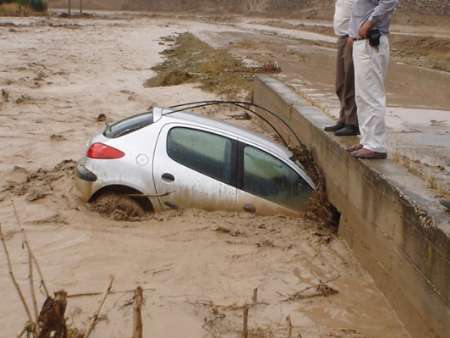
(428, 52)
(190, 60)
(424, 51)
(38, 184)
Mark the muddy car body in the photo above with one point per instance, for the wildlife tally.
(162, 159)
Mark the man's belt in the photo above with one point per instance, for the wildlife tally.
(373, 36)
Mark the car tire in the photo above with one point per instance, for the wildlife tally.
(119, 207)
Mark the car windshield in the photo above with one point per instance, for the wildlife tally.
(128, 125)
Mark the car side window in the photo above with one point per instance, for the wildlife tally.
(268, 177)
(207, 153)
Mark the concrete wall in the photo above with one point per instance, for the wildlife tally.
(389, 218)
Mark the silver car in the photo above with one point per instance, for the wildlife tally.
(160, 160)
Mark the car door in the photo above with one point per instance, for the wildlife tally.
(195, 168)
(267, 185)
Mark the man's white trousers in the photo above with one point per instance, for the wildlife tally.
(371, 65)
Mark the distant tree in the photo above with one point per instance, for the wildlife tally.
(37, 5)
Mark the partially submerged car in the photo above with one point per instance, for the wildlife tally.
(163, 159)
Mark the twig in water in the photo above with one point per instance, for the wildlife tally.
(20, 335)
(13, 278)
(245, 323)
(29, 329)
(255, 296)
(91, 294)
(137, 313)
(289, 321)
(27, 245)
(31, 281)
(100, 306)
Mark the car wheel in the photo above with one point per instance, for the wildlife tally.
(119, 207)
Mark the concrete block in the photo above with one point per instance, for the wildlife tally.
(388, 217)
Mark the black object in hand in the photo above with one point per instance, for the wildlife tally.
(374, 36)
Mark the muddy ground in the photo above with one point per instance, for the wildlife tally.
(198, 268)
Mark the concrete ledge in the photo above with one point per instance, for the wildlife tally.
(390, 219)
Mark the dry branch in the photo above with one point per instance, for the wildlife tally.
(20, 335)
(13, 278)
(31, 280)
(29, 329)
(94, 319)
(255, 296)
(289, 321)
(137, 313)
(27, 245)
(245, 323)
(91, 294)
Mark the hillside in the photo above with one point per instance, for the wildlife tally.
(317, 8)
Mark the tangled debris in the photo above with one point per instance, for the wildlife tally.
(5, 95)
(320, 290)
(57, 137)
(24, 99)
(319, 207)
(231, 232)
(51, 319)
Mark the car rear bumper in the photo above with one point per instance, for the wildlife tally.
(84, 181)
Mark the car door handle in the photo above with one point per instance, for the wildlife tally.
(249, 208)
(168, 177)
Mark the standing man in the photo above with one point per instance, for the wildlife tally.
(347, 125)
(369, 28)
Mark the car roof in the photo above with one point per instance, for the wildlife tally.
(240, 133)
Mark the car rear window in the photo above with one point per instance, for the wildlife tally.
(128, 125)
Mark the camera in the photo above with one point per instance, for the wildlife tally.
(374, 36)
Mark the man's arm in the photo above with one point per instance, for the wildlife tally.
(384, 8)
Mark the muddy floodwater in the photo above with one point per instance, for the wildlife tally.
(197, 269)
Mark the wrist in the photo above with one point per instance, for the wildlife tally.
(370, 23)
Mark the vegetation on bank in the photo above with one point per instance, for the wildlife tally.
(22, 7)
(190, 60)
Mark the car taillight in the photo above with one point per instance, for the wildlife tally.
(103, 152)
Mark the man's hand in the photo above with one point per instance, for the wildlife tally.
(365, 28)
(349, 41)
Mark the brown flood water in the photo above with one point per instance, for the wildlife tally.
(198, 268)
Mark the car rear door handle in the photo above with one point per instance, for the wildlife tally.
(168, 177)
(249, 208)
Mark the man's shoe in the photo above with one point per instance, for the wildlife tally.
(355, 147)
(366, 154)
(347, 131)
(334, 128)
